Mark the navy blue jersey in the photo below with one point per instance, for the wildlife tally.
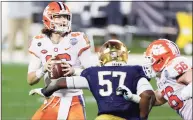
(103, 82)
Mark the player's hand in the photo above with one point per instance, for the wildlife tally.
(36, 91)
(123, 90)
(68, 69)
(48, 65)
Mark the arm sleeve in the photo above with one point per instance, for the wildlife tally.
(178, 66)
(77, 82)
(143, 85)
(88, 59)
(84, 44)
(34, 63)
(186, 92)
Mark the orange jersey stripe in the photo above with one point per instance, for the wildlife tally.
(82, 50)
(33, 53)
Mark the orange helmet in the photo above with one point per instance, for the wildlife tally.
(158, 54)
(57, 8)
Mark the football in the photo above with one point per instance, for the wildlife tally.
(56, 70)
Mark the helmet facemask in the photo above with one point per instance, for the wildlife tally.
(155, 65)
(147, 67)
(61, 26)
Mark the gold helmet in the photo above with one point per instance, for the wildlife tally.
(113, 51)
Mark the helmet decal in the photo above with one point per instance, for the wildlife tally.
(158, 49)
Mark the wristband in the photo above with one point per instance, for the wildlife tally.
(40, 72)
(135, 98)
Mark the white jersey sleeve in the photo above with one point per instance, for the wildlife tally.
(177, 67)
(34, 63)
(77, 82)
(186, 92)
(85, 55)
(143, 85)
(84, 44)
(88, 59)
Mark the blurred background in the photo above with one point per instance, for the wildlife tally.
(135, 23)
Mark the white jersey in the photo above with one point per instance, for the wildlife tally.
(68, 50)
(171, 89)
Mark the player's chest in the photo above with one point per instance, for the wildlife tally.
(64, 51)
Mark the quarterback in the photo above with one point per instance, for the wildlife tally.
(57, 40)
(103, 82)
(173, 74)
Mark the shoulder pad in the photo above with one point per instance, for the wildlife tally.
(177, 67)
(75, 34)
(81, 36)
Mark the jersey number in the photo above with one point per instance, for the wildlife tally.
(173, 100)
(181, 67)
(65, 56)
(108, 83)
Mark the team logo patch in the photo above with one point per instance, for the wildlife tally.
(158, 49)
(39, 44)
(44, 51)
(73, 41)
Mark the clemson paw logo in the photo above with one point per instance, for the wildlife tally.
(158, 49)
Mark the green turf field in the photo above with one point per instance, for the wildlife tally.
(17, 105)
